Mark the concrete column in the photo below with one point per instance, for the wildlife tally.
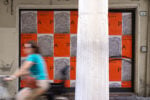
(92, 51)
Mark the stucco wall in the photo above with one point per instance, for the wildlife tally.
(148, 58)
(9, 34)
(8, 20)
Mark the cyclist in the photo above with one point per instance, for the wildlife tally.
(35, 68)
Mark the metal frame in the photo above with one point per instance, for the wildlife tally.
(60, 8)
(133, 50)
(72, 89)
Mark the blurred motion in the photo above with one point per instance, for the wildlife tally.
(33, 72)
(57, 90)
(4, 94)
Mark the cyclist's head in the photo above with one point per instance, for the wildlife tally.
(31, 47)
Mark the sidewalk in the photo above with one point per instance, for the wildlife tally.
(116, 97)
(129, 98)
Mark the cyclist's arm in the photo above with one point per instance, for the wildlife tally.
(24, 69)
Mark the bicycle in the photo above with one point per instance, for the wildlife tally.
(56, 91)
(53, 93)
(4, 94)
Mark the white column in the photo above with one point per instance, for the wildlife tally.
(92, 51)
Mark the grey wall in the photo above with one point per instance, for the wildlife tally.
(9, 35)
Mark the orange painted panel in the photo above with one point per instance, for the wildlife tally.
(115, 23)
(126, 84)
(50, 67)
(115, 70)
(45, 21)
(24, 39)
(22, 85)
(127, 46)
(73, 21)
(62, 45)
(67, 82)
(73, 68)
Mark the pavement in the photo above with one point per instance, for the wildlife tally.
(129, 98)
(126, 96)
(71, 96)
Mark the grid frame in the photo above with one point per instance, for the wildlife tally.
(76, 10)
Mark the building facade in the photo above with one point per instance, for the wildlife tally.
(10, 36)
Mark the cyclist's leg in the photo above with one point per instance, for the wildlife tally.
(31, 94)
(43, 86)
(24, 94)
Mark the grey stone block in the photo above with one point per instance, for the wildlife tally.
(115, 84)
(45, 42)
(60, 64)
(28, 22)
(115, 46)
(127, 23)
(72, 83)
(126, 70)
(62, 21)
(73, 45)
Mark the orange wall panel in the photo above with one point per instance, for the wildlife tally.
(67, 82)
(50, 67)
(26, 38)
(45, 21)
(73, 68)
(73, 21)
(115, 70)
(62, 45)
(126, 84)
(127, 46)
(115, 23)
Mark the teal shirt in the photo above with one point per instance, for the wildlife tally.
(38, 69)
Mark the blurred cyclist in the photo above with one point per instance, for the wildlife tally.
(33, 68)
